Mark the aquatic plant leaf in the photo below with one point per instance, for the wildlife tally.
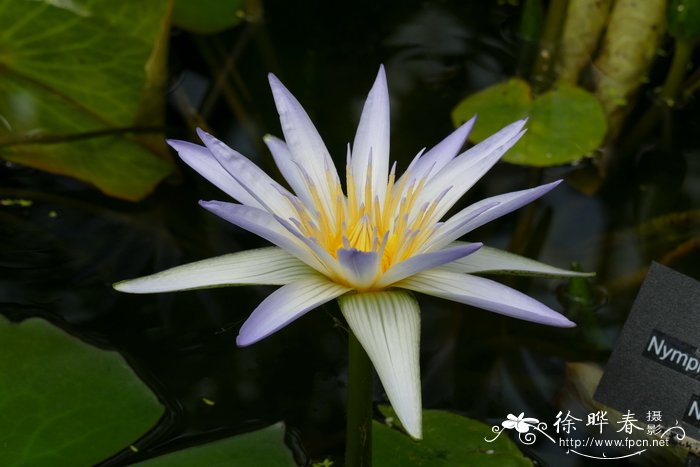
(629, 46)
(683, 18)
(262, 447)
(495, 107)
(64, 402)
(585, 22)
(448, 439)
(207, 16)
(565, 124)
(76, 78)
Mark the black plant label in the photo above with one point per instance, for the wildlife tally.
(655, 366)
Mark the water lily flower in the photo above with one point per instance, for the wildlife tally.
(369, 245)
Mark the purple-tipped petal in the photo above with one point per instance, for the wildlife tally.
(492, 260)
(269, 266)
(304, 142)
(203, 161)
(464, 221)
(387, 324)
(289, 169)
(264, 225)
(269, 193)
(466, 169)
(372, 137)
(359, 267)
(285, 305)
(440, 155)
(483, 293)
(425, 261)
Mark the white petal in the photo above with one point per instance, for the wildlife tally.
(387, 324)
(434, 160)
(464, 221)
(360, 268)
(269, 266)
(304, 142)
(522, 427)
(289, 169)
(493, 260)
(330, 264)
(285, 305)
(466, 169)
(264, 225)
(203, 161)
(372, 137)
(483, 293)
(269, 193)
(425, 261)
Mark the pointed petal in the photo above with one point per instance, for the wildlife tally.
(438, 157)
(466, 169)
(493, 260)
(483, 293)
(289, 169)
(304, 142)
(372, 137)
(425, 261)
(269, 193)
(387, 324)
(464, 221)
(285, 305)
(269, 266)
(321, 253)
(361, 268)
(203, 161)
(264, 225)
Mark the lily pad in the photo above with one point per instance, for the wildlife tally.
(208, 16)
(565, 124)
(448, 440)
(64, 402)
(495, 107)
(262, 447)
(82, 82)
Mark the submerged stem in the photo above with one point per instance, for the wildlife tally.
(549, 42)
(670, 91)
(358, 438)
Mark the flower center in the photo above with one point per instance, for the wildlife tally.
(362, 236)
(395, 227)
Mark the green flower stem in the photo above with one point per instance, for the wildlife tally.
(669, 93)
(554, 24)
(681, 58)
(358, 438)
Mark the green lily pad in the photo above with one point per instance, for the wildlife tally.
(565, 124)
(263, 447)
(448, 440)
(81, 82)
(64, 402)
(495, 107)
(208, 16)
